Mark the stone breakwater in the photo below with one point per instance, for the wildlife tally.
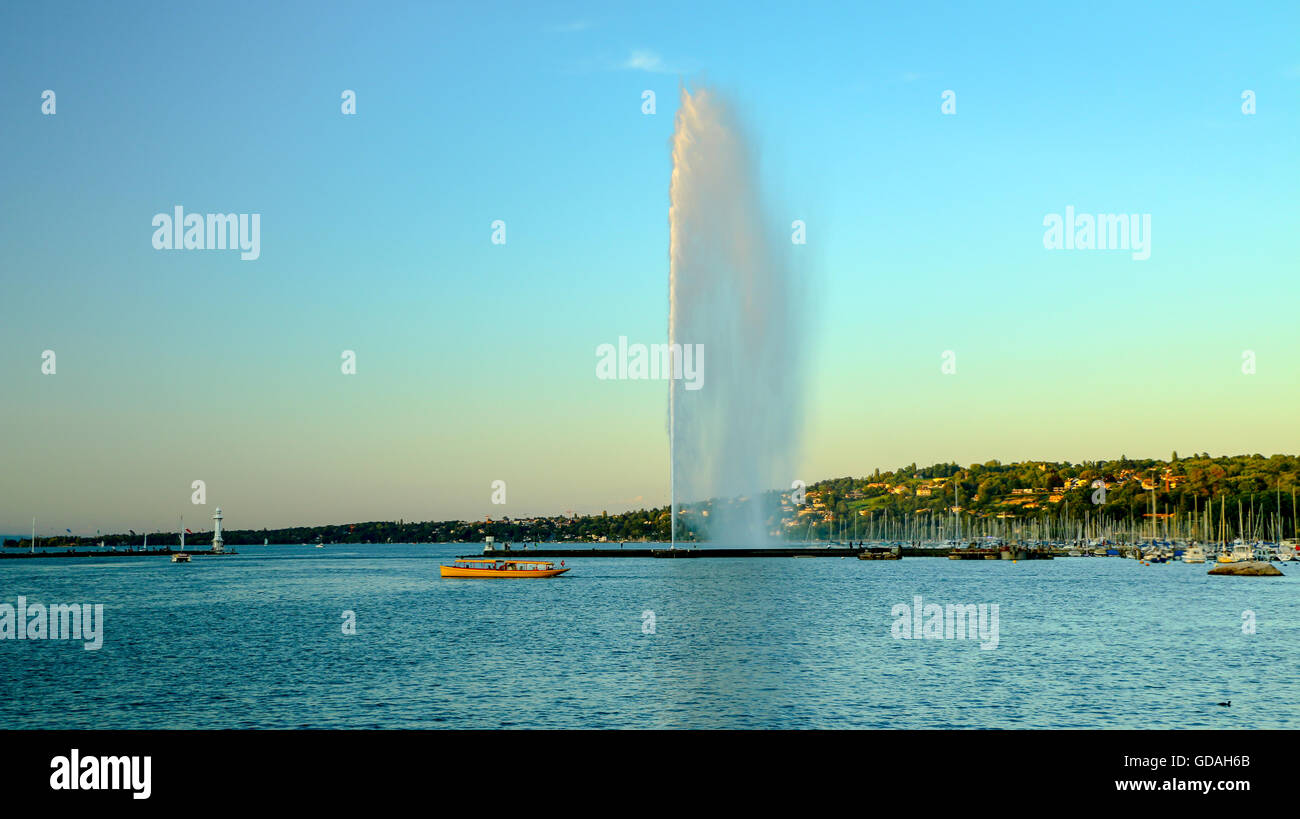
(1254, 568)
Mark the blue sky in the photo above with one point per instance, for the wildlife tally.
(475, 361)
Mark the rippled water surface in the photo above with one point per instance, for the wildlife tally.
(256, 640)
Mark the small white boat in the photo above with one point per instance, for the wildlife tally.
(181, 557)
(1241, 553)
(1194, 554)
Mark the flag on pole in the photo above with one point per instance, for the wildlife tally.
(188, 532)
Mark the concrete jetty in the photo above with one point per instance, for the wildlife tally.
(873, 552)
(682, 552)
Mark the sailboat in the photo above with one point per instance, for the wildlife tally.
(1241, 552)
(182, 556)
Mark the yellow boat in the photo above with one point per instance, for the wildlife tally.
(500, 567)
(1241, 553)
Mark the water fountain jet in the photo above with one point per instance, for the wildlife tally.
(732, 291)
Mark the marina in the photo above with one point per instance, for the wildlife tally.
(1146, 552)
(179, 555)
(107, 553)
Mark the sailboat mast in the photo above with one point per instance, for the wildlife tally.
(957, 511)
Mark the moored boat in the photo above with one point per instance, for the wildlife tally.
(1241, 553)
(973, 553)
(181, 557)
(885, 553)
(500, 567)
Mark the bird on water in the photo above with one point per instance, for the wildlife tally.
(1226, 704)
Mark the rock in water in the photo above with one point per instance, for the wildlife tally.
(1254, 568)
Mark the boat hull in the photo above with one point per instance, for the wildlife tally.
(511, 574)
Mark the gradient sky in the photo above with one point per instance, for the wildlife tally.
(476, 362)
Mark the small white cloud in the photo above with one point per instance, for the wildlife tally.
(646, 61)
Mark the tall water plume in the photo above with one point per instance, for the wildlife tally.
(731, 290)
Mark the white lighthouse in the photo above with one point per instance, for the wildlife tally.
(218, 546)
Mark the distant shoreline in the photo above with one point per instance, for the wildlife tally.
(1249, 496)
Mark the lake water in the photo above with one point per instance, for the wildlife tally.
(256, 641)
